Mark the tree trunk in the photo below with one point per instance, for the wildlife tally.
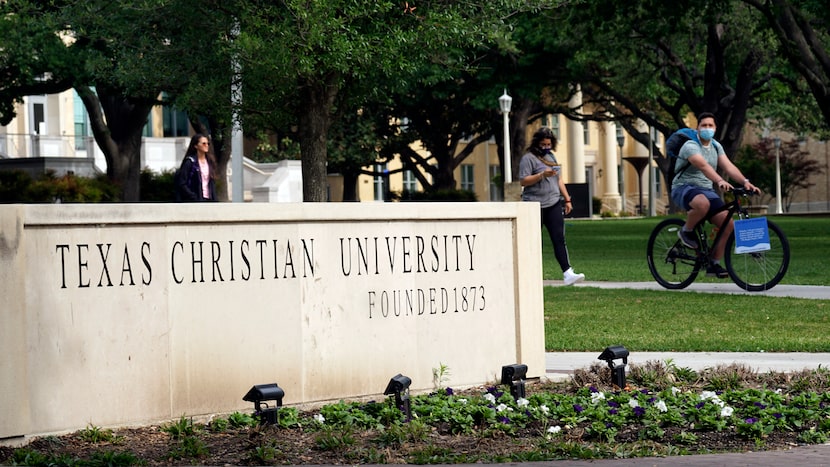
(315, 120)
(117, 122)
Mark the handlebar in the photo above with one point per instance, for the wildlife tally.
(740, 191)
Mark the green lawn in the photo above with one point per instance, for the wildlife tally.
(588, 319)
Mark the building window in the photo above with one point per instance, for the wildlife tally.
(381, 182)
(81, 122)
(467, 179)
(586, 132)
(147, 131)
(495, 188)
(410, 183)
(553, 124)
(174, 122)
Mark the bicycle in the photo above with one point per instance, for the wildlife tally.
(675, 266)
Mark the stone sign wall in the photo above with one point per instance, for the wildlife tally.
(130, 314)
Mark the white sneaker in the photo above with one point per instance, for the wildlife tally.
(572, 278)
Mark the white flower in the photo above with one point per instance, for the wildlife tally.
(490, 398)
(713, 397)
(596, 397)
(633, 403)
(320, 418)
(675, 391)
(545, 410)
(462, 401)
(502, 408)
(554, 429)
(726, 412)
(522, 402)
(661, 406)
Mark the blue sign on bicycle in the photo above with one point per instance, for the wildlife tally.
(751, 235)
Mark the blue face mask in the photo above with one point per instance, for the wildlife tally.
(706, 133)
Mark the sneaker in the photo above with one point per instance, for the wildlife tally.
(572, 278)
(716, 270)
(687, 238)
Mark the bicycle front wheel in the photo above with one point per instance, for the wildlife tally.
(673, 265)
(759, 271)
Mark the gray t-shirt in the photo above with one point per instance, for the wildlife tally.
(692, 175)
(546, 192)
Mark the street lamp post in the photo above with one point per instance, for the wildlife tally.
(652, 186)
(505, 102)
(778, 208)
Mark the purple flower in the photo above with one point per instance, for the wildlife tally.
(612, 411)
(503, 419)
(449, 391)
(644, 391)
(700, 405)
(593, 389)
(750, 420)
(760, 405)
(778, 415)
(578, 408)
(613, 404)
(639, 411)
(651, 400)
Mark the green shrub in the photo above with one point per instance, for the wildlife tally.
(157, 187)
(596, 205)
(14, 185)
(18, 187)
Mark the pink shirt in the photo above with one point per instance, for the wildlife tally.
(205, 169)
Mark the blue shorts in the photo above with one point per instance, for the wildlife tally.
(684, 194)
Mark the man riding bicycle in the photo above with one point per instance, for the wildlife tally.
(697, 169)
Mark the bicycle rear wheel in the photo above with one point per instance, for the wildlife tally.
(759, 271)
(673, 265)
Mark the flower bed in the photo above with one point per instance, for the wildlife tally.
(664, 411)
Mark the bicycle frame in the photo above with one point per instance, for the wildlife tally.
(733, 207)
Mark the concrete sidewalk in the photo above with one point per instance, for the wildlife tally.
(801, 456)
(560, 365)
(817, 292)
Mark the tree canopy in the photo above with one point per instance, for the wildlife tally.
(316, 69)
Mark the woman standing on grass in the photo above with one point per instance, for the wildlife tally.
(539, 176)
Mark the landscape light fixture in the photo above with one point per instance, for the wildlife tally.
(261, 393)
(399, 386)
(514, 376)
(616, 352)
